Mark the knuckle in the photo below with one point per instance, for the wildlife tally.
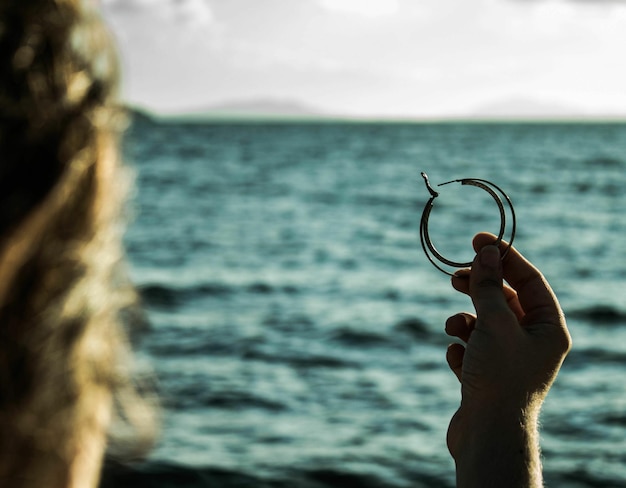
(565, 338)
(486, 285)
(565, 342)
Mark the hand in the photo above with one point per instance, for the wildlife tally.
(515, 345)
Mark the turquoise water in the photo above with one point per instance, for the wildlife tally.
(296, 326)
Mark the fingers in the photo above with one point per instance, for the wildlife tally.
(460, 282)
(484, 239)
(535, 296)
(461, 325)
(454, 356)
(486, 288)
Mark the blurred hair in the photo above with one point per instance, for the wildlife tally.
(64, 355)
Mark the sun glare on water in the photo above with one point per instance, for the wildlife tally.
(369, 8)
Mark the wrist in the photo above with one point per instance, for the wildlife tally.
(496, 446)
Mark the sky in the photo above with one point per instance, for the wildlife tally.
(387, 58)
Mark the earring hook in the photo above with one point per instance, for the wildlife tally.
(432, 192)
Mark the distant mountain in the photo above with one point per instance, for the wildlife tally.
(267, 109)
(256, 109)
(139, 116)
(527, 108)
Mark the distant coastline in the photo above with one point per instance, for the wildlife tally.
(514, 110)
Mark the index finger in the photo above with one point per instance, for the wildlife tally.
(534, 292)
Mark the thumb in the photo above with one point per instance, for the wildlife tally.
(486, 285)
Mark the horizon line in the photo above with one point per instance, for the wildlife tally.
(242, 117)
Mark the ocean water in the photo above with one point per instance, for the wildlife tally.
(296, 328)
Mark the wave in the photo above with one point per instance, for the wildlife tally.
(595, 356)
(170, 296)
(615, 419)
(604, 162)
(410, 328)
(195, 396)
(352, 337)
(156, 474)
(600, 314)
(299, 360)
(165, 296)
(584, 476)
(414, 328)
(166, 475)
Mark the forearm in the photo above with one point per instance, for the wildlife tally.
(498, 449)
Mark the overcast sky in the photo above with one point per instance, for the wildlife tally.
(373, 57)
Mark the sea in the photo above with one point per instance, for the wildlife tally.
(296, 328)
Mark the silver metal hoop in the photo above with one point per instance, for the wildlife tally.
(495, 191)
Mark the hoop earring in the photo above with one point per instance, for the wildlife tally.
(431, 251)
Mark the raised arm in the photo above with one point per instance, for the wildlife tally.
(514, 347)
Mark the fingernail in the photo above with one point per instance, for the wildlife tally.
(490, 256)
